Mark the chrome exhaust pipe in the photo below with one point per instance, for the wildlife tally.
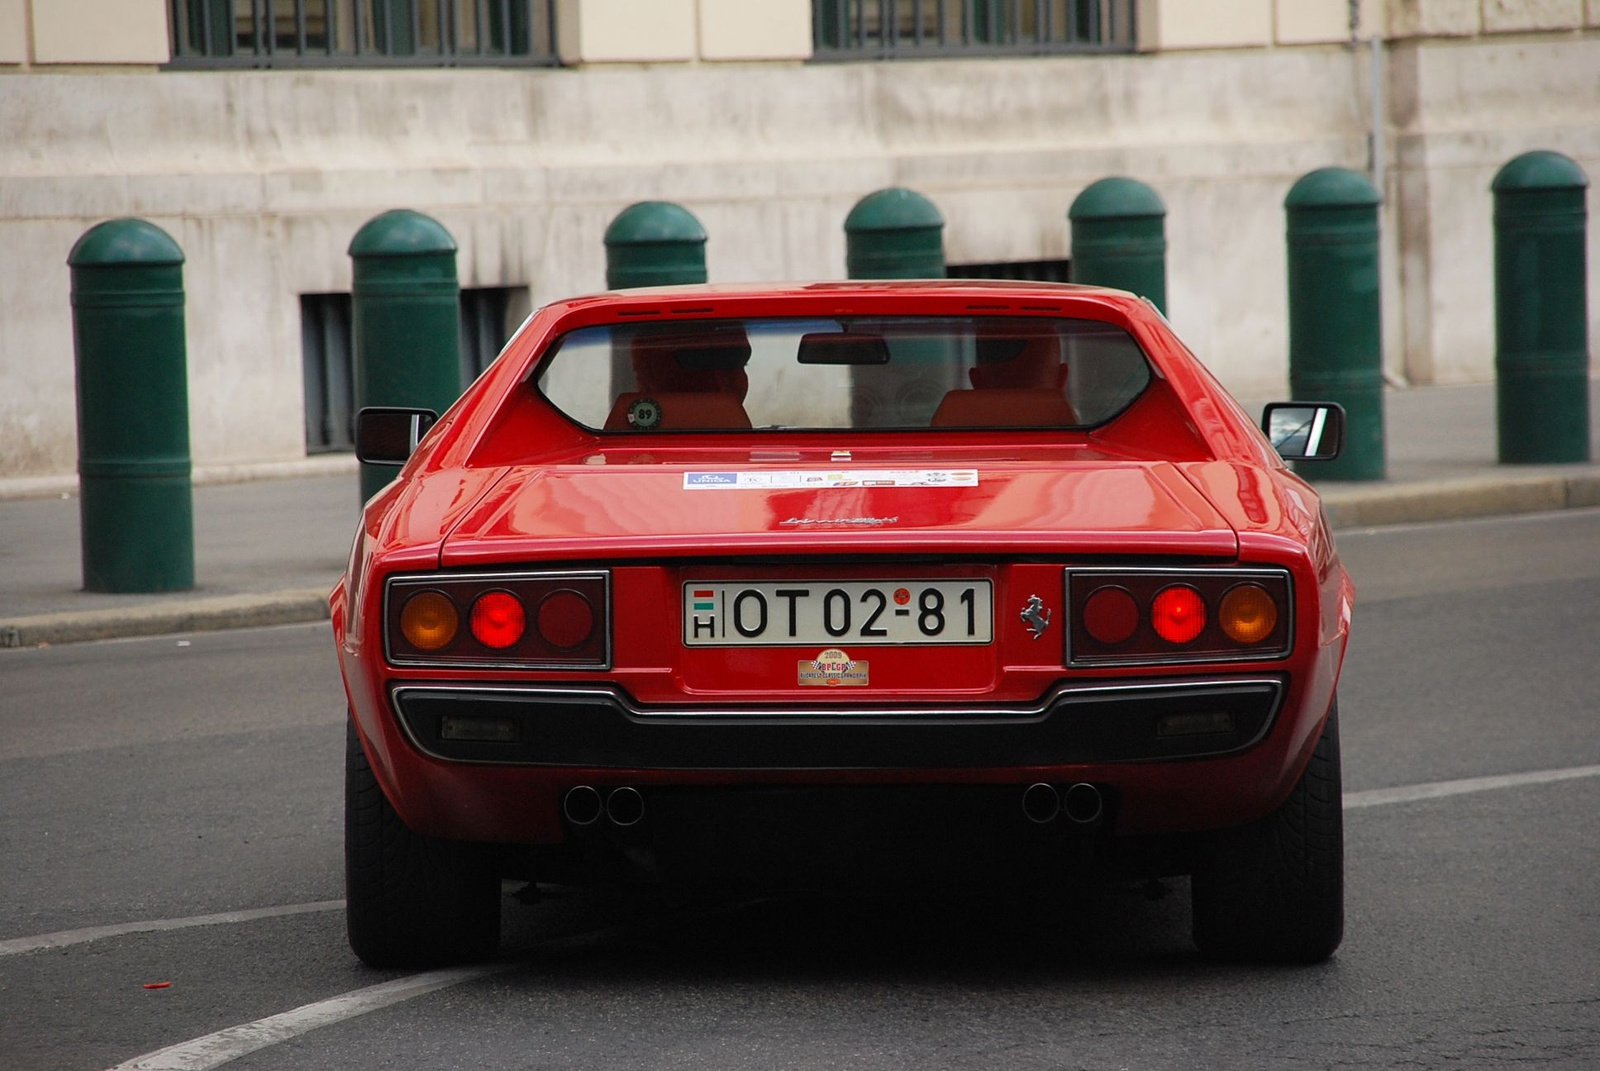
(1041, 803)
(625, 807)
(1083, 803)
(582, 805)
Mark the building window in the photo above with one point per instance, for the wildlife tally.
(325, 354)
(1033, 271)
(489, 315)
(907, 29)
(350, 33)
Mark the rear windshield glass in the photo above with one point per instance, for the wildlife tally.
(845, 373)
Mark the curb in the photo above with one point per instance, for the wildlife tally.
(59, 486)
(1359, 506)
(160, 619)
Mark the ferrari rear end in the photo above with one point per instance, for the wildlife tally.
(843, 585)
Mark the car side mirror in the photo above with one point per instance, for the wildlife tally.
(387, 436)
(1304, 431)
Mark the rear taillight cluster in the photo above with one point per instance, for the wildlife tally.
(1126, 616)
(509, 620)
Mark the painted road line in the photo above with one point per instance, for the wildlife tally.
(62, 938)
(214, 1050)
(1381, 797)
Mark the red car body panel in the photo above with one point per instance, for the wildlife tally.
(1182, 476)
(631, 509)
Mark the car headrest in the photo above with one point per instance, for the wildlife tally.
(1035, 362)
(676, 411)
(693, 361)
(1004, 407)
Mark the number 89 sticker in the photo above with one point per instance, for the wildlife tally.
(741, 613)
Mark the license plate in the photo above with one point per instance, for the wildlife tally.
(808, 613)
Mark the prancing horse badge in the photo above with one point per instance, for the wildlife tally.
(1035, 616)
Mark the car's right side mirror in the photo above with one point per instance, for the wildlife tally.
(1304, 431)
(386, 435)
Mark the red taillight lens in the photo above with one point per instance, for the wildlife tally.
(1178, 614)
(1111, 615)
(429, 621)
(1248, 615)
(565, 619)
(498, 620)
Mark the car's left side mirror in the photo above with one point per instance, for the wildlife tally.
(386, 436)
(1304, 431)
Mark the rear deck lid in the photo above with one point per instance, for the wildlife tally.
(595, 512)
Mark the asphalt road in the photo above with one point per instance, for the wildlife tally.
(152, 783)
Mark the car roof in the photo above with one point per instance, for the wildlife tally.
(992, 296)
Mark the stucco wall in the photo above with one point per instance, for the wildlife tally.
(99, 31)
(14, 38)
(1461, 111)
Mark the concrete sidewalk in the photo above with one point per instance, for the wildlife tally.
(267, 551)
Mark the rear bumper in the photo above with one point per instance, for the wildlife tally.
(598, 728)
(489, 797)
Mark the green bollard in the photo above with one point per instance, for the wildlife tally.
(1119, 238)
(894, 234)
(1335, 322)
(654, 243)
(899, 234)
(406, 316)
(1541, 310)
(136, 509)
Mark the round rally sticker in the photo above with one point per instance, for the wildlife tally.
(644, 413)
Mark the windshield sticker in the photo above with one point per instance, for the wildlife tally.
(832, 669)
(645, 414)
(791, 479)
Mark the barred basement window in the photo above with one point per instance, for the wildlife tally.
(489, 314)
(907, 29)
(325, 357)
(1036, 271)
(352, 33)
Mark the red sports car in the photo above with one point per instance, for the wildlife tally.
(845, 583)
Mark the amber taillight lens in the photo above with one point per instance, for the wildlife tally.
(1178, 614)
(498, 619)
(429, 621)
(1140, 616)
(1248, 614)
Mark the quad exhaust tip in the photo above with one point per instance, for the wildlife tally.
(625, 807)
(1082, 803)
(1041, 803)
(582, 805)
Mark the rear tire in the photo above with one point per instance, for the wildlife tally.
(1273, 891)
(410, 900)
